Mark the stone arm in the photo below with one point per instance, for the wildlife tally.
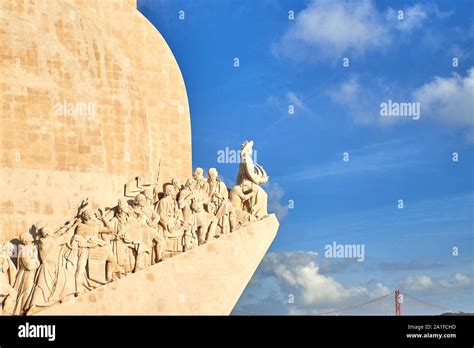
(245, 196)
(183, 197)
(153, 223)
(65, 236)
(108, 227)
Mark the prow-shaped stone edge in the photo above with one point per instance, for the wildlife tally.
(207, 280)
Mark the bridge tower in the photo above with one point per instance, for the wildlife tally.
(398, 303)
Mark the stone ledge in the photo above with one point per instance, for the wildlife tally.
(207, 280)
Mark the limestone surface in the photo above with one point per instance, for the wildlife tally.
(90, 96)
(207, 280)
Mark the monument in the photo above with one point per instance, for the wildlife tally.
(96, 141)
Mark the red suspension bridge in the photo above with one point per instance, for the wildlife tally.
(394, 303)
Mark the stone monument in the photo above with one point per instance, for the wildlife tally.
(96, 141)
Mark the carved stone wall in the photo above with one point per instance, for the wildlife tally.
(207, 280)
(103, 61)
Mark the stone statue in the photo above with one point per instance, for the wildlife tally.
(219, 195)
(149, 220)
(150, 196)
(8, 272)
(241, 195)
(27, 262)
(122, 245)
(95, 248)
(185, 199)
(257, 176)
(171, 225)
(177, 185)
(202, 187)
(203, 223)
(53, 281)
(92, 255)
(240, 198)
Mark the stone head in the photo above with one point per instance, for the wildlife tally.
(140, 200)
(169, 190)
(196, 207)
(213, 174)
(87, 215)
(122, 205)
(191, 183)
(26, 238)
(199, 172)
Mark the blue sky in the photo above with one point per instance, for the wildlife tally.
(299, 62)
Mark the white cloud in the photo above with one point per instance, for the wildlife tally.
(449, 100)
(425, 283)
(459, 280)
(379, 290)
(296, 101)
(331, 29)
(413, 17)
(363, 103)
(334, 28)
(275, 194)
(419, 283)
(281, 103)
(299, 271)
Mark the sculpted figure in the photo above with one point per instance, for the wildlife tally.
(255, 174)
(27, 262)
(149, 194)
(8, 294)
(177, 185)
(185, 198)
(219, 196)
(53, 281)
(122, 245)
(203, 223)
(202, 187)
(240, 197)
(170, 224)
(149, 232)
(92, 255)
